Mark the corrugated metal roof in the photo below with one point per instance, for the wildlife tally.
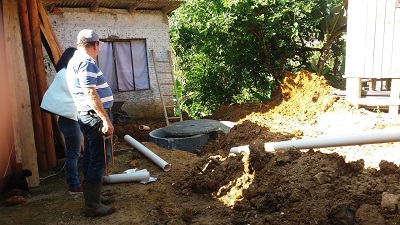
(166, 6)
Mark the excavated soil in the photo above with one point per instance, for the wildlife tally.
(355, 184)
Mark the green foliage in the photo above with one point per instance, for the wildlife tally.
(332, 27)
(232, 51)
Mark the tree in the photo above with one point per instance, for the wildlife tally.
(231, 51)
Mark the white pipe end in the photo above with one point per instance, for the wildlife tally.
(269, 147)
(240, 149)
(167, 167)
(144, 127)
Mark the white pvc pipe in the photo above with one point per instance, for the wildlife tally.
(149, 154)
(127, 177)
(144, 127)
(369, 137)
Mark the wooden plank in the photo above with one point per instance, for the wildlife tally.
(356, 30)
(22, 114)
(379, 34)
(388, 39)
(369, 39)
(49, 34)
(379, 101)
(364, 93)
(394, 96)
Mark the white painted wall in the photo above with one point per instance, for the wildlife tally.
(373, 39)
(150, 25)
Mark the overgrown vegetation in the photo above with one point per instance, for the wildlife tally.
(233, 51)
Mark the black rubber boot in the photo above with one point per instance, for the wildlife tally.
(107, 200)
(93, 206)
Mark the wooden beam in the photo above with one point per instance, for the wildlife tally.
(394, 96)
(53, 1)
(167, 9)
(133, 7)
(49, 34)
(379, 101)
(24, 138)
(176, 3)
(94, 7)
(50, 8)
(353, 90)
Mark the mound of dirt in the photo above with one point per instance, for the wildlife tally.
(356, 184)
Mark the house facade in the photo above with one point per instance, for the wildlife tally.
(125, 57)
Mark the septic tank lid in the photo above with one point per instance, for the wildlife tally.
(192, 127)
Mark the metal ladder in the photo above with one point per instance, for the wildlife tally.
(164, 71)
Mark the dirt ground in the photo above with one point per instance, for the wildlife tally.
(355, 184)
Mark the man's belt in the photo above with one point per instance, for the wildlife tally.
(91, 112)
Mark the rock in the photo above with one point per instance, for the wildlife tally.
(343, 214)
(286, 156)
(322, 178)
(389, 202)
(388, 167)
(15, 200)
(369, 215)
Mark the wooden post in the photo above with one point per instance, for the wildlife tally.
(41, 81)
(353, 90)
(28, 53)
(24, 139)
(394, 95)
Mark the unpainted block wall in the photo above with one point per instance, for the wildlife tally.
(150, 25)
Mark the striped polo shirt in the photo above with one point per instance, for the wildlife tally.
(83, 72)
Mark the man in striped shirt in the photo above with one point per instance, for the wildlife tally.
(93, 99)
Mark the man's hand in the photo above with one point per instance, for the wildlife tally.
(108, 128)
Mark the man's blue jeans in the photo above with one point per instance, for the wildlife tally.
(73, 139)
(93, 155)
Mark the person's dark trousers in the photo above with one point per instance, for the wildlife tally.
(93, 155)
(93, 165)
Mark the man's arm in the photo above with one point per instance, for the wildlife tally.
(97, 105)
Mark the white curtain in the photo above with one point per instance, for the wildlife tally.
(124, 66)
(129, 68)
(106, 64)
(141, 72)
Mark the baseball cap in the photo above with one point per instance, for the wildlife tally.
(88, 35)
